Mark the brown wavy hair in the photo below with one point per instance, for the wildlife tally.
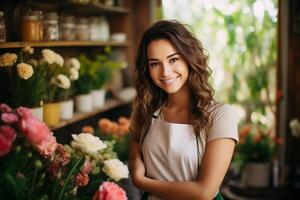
(150, 97)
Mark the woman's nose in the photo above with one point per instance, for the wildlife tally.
(166, 69)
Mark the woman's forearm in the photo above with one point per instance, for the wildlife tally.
(167, 190)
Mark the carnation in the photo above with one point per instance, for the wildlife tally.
(8, 59)
(28, 50)
(87, 143)
(74, 74)
(25, 71)
(63, 81)
(51, 57)
(73, 63)
(115, 169)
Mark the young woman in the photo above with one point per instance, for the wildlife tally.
(182, 140)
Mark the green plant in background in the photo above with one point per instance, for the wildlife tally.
(96, 71)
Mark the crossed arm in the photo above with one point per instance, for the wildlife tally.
(215, 162)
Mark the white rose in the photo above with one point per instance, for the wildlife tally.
(115, 169)
(51, 57)
(87, 143)
(59, 60)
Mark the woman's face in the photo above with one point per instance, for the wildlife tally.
(167, 68)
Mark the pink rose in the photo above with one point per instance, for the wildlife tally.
(7, 136)
(110, 191)
(47, 146)
(9, 118)
(86, 168)
(5, 108)
(24, 112)
(34, 130)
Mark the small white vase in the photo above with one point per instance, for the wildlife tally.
(84, 103)
(256, 175)
(98, 97)
(66, 109)
(37, 112)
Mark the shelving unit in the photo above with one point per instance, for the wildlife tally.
(109, 104)
(63, 44)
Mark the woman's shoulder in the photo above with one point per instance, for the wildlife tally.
(218, 108)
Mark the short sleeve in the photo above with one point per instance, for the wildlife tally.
(223, 124)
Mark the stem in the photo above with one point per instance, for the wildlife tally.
(68, 178)
(33, 181)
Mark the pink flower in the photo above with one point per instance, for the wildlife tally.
(34, 130)
(86, 168)
(81, 180)
(9, 118)
(53, 168)
(5, 108)
(47, 146)
(7, 136)
(110, 191)
(24, 112)
(62, 156)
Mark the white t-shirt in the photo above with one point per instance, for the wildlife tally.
(170, 149)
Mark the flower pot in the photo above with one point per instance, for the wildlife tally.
(83, 103)
(66, 109)
(98, 97)
(256, 175)
(37, 112)
(51, 114)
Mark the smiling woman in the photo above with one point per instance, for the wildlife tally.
(182, 140)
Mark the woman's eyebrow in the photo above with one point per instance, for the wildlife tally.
(155, 59)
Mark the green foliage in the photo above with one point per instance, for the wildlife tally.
(95, 72)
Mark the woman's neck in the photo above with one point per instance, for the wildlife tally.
(180, 99)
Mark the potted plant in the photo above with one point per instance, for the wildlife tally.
(67, 102)
(26, 80)
(83, 86)
(255, 152)
(57, 78)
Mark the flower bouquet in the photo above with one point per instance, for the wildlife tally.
(35, 166)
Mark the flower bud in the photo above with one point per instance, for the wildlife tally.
(38, 164)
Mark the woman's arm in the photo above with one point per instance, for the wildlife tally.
(215, 162)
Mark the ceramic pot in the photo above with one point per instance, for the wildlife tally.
(256, 175)
(51, 114)
(66, 109)
(98, 97)
(83, 103)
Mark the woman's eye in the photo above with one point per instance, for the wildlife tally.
(173, 60)
(153, 64)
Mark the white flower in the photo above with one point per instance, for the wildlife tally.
(87, 143)
(8, 59)
(115, 169)
(25, 71)
(28, 50)
(295, 127)
(73, 63)
(51, 57)
(63, 81)
(74, 74)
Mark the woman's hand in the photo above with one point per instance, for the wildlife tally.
(136, 164)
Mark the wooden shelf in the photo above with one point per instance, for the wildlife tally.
(109, 104)
(94, 7)
(63, 44)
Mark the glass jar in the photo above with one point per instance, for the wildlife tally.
(82, 31)
(2, 27)
(99, 28)
(30, 27)
(50, 27)
(39, 14)
(66, 28)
